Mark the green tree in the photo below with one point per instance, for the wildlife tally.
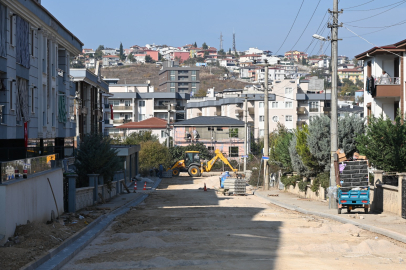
(297, 163)
(95, 155)
(159, 56)
(148, 59)
(384, 144)
(139, 137)
(122, 56)
(229, 51)
(195, 45)
(279, 148)
(221, 52)
(178, 152)
(98, 54)
(131, 58)
(201, 93)
(206, 53)
(349, 127)
(204, 46)
(303, 151)
(152, 154)
(318, 140)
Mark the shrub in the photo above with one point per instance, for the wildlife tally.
(302, 185)
(152, 154)
(290, 181)
(322, 179)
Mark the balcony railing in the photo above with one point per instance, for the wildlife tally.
(160, 107)
(387, 81)
(313, 109)
(180, 108)
(301, 110)
(118, 121)
(123, 108)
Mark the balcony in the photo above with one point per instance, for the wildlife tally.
(118, 121)
(300, 124)
(326, 110)
(301, 110)
(107, 106)
(251, 111)
(180, 108)
(387, 87)
(161, 107)
(122, 108)
(313, 109)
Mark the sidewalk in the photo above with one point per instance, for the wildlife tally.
(384, 223)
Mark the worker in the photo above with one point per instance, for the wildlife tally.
(188, 136)
(161, 169)
(195, 134)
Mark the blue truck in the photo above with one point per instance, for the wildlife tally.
(353, 198)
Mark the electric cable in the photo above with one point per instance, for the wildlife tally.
(290, 28)
(386, 26)
(306, 25)
(370, 17)
(360, 4)
(376, 8)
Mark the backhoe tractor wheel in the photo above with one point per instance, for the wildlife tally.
(175, 172)
(194, 171)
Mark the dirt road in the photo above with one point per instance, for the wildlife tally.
(182, 227)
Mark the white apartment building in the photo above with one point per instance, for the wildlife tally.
(35, 82)
(137, 102)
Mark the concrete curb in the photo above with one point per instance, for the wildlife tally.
(59, 256)
(387, 233)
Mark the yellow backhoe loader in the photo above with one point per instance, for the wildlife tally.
(192, 164)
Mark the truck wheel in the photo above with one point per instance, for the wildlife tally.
(339, 211)
(366, 210)
(175, 172)
(194, 171)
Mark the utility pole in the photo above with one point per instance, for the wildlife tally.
(221, 41)
(246, 132)
(168, 125)
(333, 122)
(266, 130)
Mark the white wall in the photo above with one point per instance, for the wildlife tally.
(30, 199)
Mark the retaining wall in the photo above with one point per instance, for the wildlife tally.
(308, 194)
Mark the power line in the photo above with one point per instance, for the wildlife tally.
(370, 17)
(400, 23)
(376, 8)
(386, 26)
(360, 4)
(290, 28)
(306, 25)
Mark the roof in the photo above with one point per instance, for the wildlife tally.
(219, 121)
(150, 123)
(391, 47)
(110, 56)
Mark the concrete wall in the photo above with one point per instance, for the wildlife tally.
(309, 194)
(30, 199)
(84, 196)
(384, 198)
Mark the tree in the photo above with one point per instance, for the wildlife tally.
(297, 163)
(318, 140)
(95, 156)
(304, 62)
(229, 51)
(206, 53)
(384, 143)
(303, 151)
(152, 154)
(98, 54)
(221, 52)
(355, 61)
(178, 152)
(139, 137)
(204, 46)
(122, 56)
(201, 93)
(159, 56)
(131, 58)
(349, 127)
(195, 45)
(148, 59)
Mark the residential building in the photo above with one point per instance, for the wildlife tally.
(157, 126)
(137, 102)
(35, 82)
(384, 96)
(153, 54)
(296, 56)
(342, 110)
(90, 63)
(359, 97)
(253, 50)
(176, 79)
(215, 132)
(110, 51)
(180, 56)
(352, 74)
(91, 112)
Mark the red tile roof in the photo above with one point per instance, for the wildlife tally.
(150, 123)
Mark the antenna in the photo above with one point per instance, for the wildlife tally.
(221, 40)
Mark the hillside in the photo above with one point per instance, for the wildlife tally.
(140, 73)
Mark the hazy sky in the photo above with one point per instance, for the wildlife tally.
(262, 23)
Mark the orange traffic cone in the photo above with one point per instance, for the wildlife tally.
(205, 189)
(145, 186)
(135, 185)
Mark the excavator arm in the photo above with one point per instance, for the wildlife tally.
(218, 155)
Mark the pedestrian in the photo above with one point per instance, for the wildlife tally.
(385, 79)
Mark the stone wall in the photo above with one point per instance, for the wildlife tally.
(309, 194)
(84, 196)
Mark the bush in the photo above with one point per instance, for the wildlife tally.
(152, 154)
(290, 181)
(302, 185)
(322, 179)
(95, 156)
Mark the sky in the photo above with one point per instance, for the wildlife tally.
(263, 24)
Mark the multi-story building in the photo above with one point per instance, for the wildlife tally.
(353, 74)
(384, 95)
(137, 102)
(37, 92)
(296, 56)
(176, 79)
(91, 112)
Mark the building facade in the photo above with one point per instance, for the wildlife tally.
(37, 89)
(176, 79)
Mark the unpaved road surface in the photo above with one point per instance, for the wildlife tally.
(182, 227)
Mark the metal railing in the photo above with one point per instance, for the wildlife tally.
(313, 109)
(160, 107)
(129, 108)
(387, 81)
(22, 168)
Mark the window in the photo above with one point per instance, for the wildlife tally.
(127, 102)
(288, 104)
(163, 134)
(219, 129)
(233, 133)
(141, 117)
(114, 102)
(313, 106)
(261, 133)
(275, 118)
(274, 104)
(141, 103)
(288, 90)
(116, 116)
(233, 151)
(127, 116)
(288, 118)
(172, 75)
(261, 118)
(194, 72)
(172, 89)
(261, 104)
(193, 78)
(11, 95)
(210, 128)
(210, 148)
